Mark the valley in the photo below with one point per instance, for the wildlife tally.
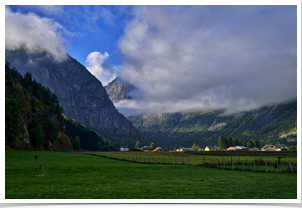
(269, 124)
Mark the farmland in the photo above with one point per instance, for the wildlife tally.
(84, 176)
(263, 161)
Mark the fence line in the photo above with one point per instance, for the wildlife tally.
(244, 165)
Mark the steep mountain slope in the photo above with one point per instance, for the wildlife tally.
(32, 123)
(81, 94)
(267, 124)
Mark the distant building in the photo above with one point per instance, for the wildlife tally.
(268, 147)
(122, 149)
(211, 148)
(201, 149)
(185, 149)
(277, 147)
(256, 149)
(234, 149)
(159, 149)
(145, 148)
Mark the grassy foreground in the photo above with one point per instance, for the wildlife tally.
(79, 176)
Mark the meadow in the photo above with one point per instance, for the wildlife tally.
(84, 176)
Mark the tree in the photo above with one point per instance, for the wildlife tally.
(239, 142)
(249, 144)
(12, 119)
(51, 126)
(230, 142)
(195, 147)
(235, 142)
(222, 142)
(137, 145)
(152, 146)
(256, 143)
(93, 141)
(292, 148)
(244, 143)
(36, 134)
(27, 81)
(77, 143)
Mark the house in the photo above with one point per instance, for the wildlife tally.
(268, 147)
(234, 149)
(200, 149)
(256, 149)
(279, 147)
(185, 149)
(157, 149)
(145, 147)
(164, 150)
(123, 149)
(242, 147)
(211, 148)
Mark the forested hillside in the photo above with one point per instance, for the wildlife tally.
(34, 119)
(267, 125)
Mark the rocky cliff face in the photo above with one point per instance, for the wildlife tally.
(117, 91)
(80, 93)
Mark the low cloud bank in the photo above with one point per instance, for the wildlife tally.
(186, 58)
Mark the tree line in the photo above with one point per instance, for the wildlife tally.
(83, 138)
(31, 86)
(225, 143)
(43, 124)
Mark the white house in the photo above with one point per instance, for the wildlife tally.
(185, 149)
(124, 149)
(242, 147)
(279, 147)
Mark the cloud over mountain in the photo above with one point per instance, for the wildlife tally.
(34, 33)
(103, 71)
(183, 58)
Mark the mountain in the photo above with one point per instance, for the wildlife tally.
(117, 91)
(80, 93)
(267, 124)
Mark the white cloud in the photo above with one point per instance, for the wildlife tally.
(210, 57)
(34, 33)
(97, 67)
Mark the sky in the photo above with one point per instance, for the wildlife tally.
(179, 58)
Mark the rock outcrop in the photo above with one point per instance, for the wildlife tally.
(117, 91)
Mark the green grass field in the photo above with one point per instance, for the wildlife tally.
(81, 176)
(189, 158)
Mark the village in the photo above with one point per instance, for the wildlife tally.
(267, 147)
